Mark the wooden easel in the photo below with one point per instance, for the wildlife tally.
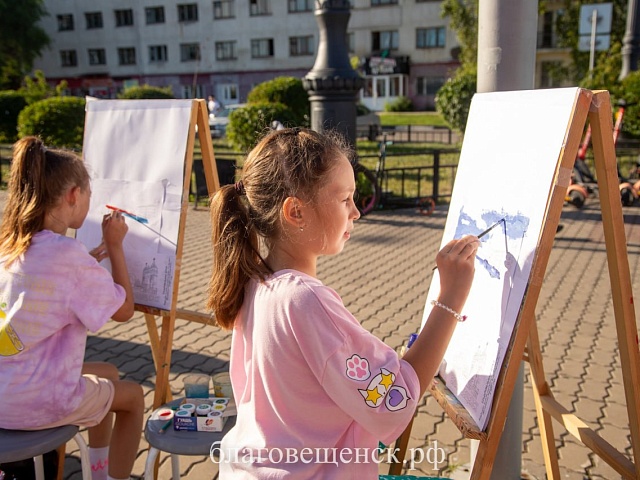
(161, 342)
(596, 107)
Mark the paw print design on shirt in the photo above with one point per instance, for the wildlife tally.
(358, 368)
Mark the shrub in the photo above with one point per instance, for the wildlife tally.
(146, 92)
(287, 91)
(59, 121)
(249, 123)
(11, 104)
(629, 92)
(453, 100)
(400, 104)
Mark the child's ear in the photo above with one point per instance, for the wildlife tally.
(72, 195)
(292, 211)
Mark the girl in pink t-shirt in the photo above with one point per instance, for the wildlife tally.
(51, 292)
(315, 391)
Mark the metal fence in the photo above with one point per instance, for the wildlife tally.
(410, 134)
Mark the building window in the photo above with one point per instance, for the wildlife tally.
(296, 6)
(228, 93)
(68, 58)
(224, 9)
(301, 46)
(157, 53)
(550, 74)
(226, 50)
(189, 52)
(124, 18)
(188, 12)
(386, 40)
(375, 3)
(259, 7)
(262, 48)
(429, 85)
(154, 15)
(189, 92)
(546, 33)
(127, 56)
(65, 22)
(430, 37)
(97, 56)
(351, 42)
(94, 20)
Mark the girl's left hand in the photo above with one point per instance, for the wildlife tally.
(100, 252)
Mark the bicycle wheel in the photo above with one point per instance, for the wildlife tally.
(367, 189)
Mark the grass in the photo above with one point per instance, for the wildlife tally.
(411, 118)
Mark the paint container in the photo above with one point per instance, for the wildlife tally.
(189, 407)
(183, 413)
(203, 410)
(196, 385)
(222, 385)
(164, 414)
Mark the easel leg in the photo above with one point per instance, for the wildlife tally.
(540, 388)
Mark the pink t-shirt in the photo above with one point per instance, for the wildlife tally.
(48, 300)
(315, 391)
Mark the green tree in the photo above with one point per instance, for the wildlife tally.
(36, 88)
(463, 19)
(453, 100)
(249, 123)
(607, 64)
(286, 90)
(59, 121)
(11, 104)
(146, 92)
(21, 39)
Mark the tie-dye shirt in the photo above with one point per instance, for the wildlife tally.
(48, 299)
(315, 391)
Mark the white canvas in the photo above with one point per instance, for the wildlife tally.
(508, 162)
(135, 153)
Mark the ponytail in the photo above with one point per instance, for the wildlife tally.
(246, 217)
(38, 178)
(236, 257)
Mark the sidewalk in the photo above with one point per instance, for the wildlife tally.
(383, 276)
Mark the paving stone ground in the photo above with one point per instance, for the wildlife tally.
(383, 276)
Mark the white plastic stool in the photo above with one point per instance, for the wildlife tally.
(16, 445)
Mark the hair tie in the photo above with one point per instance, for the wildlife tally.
(239, 186)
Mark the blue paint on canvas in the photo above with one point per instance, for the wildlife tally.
(513, 228)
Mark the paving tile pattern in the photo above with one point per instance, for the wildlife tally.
(383, 276)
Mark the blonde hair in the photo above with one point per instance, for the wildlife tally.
(244, 217)
(38, 178)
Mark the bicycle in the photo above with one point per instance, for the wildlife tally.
(370, 194)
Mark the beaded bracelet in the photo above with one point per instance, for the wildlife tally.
(458, 316)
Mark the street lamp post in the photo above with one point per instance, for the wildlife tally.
(631, 40)
(332, 84)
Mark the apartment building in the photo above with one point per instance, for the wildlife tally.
(226, 47)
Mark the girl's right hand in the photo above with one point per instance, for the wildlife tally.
(456, 266)
(114, 228)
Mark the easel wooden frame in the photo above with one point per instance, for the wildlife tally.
(595, 106)
(161, 342)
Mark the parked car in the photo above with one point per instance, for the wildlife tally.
(218, 122)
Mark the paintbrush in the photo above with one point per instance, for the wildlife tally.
(483, 233)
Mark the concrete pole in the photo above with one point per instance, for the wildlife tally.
(507, 31)
(631, 40)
